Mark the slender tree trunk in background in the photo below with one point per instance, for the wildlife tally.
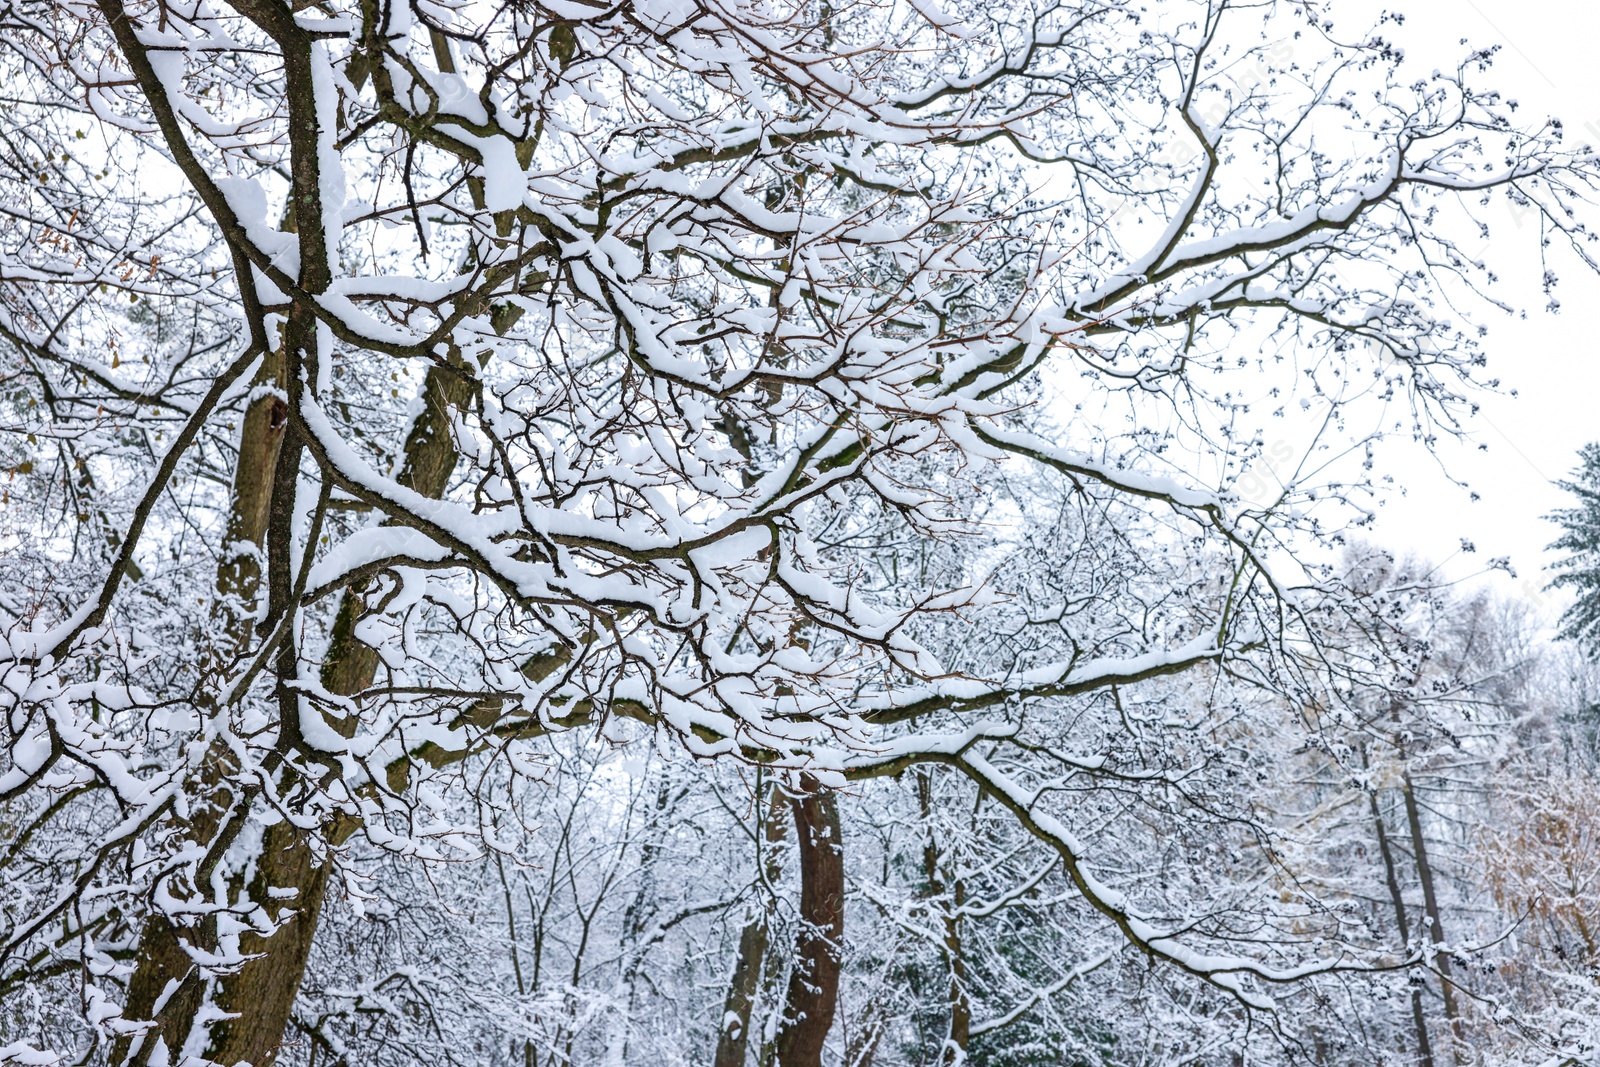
(960, 1005)
(638, 913)
(1430, 902)
(1418, 1018)
(955, 1045)
(733, 1036)
(813, 993)
(529, 1057)
(290, 880)
(863, 1045)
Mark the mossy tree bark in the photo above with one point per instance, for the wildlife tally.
(292, 871)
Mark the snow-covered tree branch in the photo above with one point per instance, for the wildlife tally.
(401, 396)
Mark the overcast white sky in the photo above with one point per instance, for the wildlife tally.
(1548, 63)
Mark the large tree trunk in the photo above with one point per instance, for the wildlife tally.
(291, 875)
(430, 457)
(813, 993)
(260, 441)
(167, 984)
(261, 994)
(165, 975)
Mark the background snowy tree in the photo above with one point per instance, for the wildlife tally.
(1580, 540)
(711, 531)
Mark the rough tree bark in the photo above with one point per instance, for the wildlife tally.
(165, 975)
(813, 992)
(291, 878)
(262, 992)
